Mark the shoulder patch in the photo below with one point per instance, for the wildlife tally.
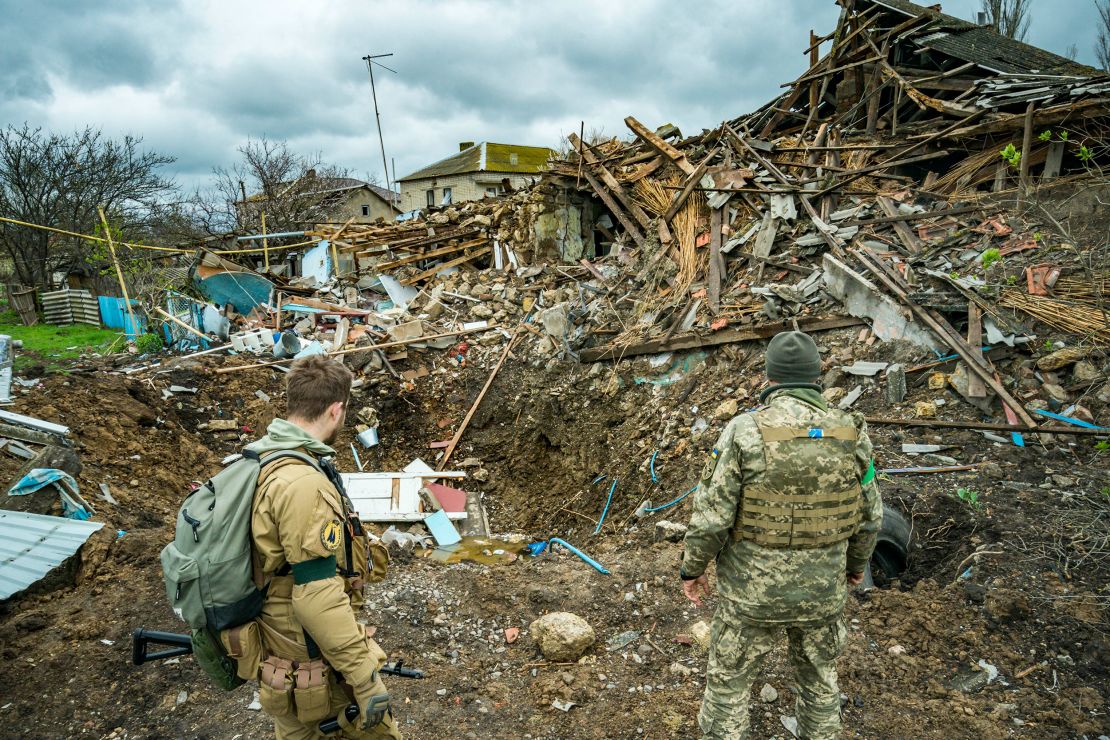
(331, 534)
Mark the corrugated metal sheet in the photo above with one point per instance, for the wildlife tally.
(69, 306)
(32, 545)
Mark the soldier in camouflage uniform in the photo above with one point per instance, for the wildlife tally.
(789, 509)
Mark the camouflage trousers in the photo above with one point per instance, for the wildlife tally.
(735, 654)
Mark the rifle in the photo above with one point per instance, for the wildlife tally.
(142, 639)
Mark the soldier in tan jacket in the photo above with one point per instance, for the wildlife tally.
(307, 543)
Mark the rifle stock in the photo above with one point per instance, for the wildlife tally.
(179, 644)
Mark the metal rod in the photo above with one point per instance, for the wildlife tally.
(369, 59)
(265, 243)
(119, 271)
(276, 235)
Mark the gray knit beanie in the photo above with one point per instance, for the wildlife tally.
(792, 357)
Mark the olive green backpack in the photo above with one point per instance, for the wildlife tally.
(207, 567)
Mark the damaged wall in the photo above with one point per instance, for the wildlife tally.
(553, 224)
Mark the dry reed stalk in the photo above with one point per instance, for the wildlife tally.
(1059, 314)
(966, 175)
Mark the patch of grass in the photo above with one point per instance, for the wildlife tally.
(52, 345)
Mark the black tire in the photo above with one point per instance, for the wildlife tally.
(892, 549)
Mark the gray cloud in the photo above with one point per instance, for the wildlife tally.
(198, 79)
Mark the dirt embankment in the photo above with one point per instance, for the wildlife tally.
(1032, 605)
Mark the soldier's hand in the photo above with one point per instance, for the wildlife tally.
(855, 579)
(696, 588)
(373, 701)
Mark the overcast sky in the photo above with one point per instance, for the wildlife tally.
(197, 78)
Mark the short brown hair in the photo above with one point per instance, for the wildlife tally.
(314, 383)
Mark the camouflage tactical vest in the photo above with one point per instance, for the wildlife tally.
(809, 494)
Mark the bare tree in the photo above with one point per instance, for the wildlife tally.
(1009, 17)
(294, 190)
(59, 180)
(1102, 44)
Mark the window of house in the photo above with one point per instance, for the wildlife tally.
(491, 192)
(431, 197)
(514, 159)
(365, 210)
(446, 196)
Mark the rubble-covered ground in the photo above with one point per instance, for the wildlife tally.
(922, 656)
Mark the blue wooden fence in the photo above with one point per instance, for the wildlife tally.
(113, 313)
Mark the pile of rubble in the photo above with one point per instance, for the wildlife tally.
(908, 183)
(859, 191)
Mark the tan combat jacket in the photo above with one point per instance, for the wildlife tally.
(299, 521)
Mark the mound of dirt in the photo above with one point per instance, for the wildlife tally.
(922, 657)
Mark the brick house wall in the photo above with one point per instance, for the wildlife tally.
(464, 187)
(352, 207)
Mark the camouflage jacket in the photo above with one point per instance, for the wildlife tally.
(763, 584)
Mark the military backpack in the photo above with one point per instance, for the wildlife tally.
(207, 568)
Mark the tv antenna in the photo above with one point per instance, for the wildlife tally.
(370, 62)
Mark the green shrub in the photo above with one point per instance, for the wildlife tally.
(989, 257)
(147, 343)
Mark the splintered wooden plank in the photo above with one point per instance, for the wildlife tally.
(713, 287)
(646, 170)
(614, 207)
(727, 336)
(657, 143)
(433, 271)
(688, 187)
(975, 386)
(426, 255)
(905, 234)
(611, 182)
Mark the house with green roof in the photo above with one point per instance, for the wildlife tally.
(476, 171)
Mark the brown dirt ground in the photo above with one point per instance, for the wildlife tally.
(542, 435)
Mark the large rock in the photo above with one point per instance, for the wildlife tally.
(669, 531)
(896, 383)
(1055, 392)
(702, 634)
(1104, 394)
(562, 637)
(1062, 358)
(727, 409)
(1085, 372)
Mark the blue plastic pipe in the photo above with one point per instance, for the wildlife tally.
(1070, 420)
(606, 509)
(585, 558)
(654, 477)
(672, 503)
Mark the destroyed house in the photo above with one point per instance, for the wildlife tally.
(898, 64)
(476, 171)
